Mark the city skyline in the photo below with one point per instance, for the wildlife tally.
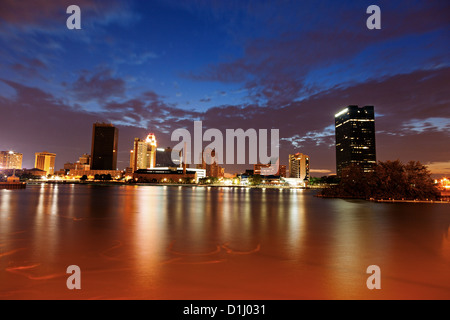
(158, 67)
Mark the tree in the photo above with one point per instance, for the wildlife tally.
(255, 180)
(84, 178)
(388, 180)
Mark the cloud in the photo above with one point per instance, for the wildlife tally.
(30, 67)
(274, 69)
(150, 111)
(137, 58)
(45, 14)
(100, 86)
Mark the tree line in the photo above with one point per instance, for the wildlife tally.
(388, 180)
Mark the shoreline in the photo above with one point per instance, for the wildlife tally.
(112, 183)
(166, 184)
(387, 200)
(409, 201)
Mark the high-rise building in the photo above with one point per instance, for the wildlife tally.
(138, 156)
(45, 161)
(143, 155)
(299, 166)
(10, 160)
(355, 138)
(105, 139)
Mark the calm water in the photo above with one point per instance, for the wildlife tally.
(154, 242)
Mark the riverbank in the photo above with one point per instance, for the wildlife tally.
(38, 182)
(385, 200)
(12, 185)
(410, 201)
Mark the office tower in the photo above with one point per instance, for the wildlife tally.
(355, 138)
(164, 158)
(45, 161)
(104, 147)
(151, 150)
(143, 155)
(299, 166)
(138, 156)
(10, 160)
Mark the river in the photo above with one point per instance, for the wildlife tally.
(173, 242)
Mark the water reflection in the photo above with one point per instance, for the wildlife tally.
(229, 243)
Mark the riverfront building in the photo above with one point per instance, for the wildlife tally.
(10, 160)
(45, 161)
(355, 138)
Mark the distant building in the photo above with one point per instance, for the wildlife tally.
(259, 169)
(138, 155)
(83, 163)
(355, 138)
(115, 174)
(299, 166)
(76, 166)
(210, 165)
(35, 172)
(45, 161)
(169, 175)
(143, 155)
(10, 160)
(105, 139)
(85, 159)
(164, 158)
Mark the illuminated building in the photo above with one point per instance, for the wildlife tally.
(75, 166)
(104, 147)
(151, 150)
(85, 159)
(258, 169)
(143, 155)
(10, 160)
(138, 156)
(299, 166)
(90, 174)
(169, 175)
(355, 138)
(45, 161)
(82, 164)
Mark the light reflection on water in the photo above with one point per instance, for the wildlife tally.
(152, 242)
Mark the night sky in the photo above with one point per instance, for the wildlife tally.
(155, 66)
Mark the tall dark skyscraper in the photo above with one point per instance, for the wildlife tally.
(355, 138)
(104, 146)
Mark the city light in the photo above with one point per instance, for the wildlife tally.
(151, 139)
(341, 113)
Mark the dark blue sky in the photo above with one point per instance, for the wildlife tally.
(155, 66)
